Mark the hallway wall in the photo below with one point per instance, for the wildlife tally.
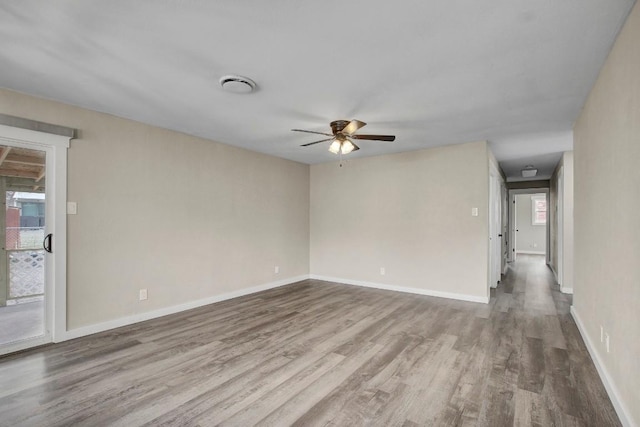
(607, 208)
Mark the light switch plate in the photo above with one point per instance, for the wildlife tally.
(474, 211)
(72, 208)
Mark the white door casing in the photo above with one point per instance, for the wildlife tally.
(560, 225)
(55, 147)
(513, 226)
(504, 201)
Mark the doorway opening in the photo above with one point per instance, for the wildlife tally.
(529, 224)
(22, 255)
(497, 223)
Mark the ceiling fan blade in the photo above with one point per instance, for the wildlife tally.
(355, 147)
(352, 127)
(317, 142)
(310, 131)
(375, 137)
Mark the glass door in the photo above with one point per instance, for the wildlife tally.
(23, 294)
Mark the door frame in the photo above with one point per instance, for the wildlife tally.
(513, 225)
(496, 183)
(560, 226)
(55, 264)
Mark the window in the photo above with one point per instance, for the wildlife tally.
(32, 209)
(538, 210)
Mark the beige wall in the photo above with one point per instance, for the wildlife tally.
(184, 217)
(607, 209)
(409, 213)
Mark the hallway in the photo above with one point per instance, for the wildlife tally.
(555, 374)
(529, 285)
(317, 353)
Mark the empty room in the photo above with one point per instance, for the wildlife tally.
(319, 213)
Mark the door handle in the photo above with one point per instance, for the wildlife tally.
(499, 235)
(46, 243)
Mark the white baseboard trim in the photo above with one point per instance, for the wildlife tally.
(141, 317)
(612, 391)
(531, 252)
(428, 292)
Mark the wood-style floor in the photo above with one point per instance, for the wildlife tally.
(317, 353)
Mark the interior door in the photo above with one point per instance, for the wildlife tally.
(514, 227)
(504, 226)
(495, 230)
(24, 309)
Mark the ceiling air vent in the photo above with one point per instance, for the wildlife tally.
(237, 84)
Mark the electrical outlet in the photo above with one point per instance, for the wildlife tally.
(474, 211)
(606, 341)
(601, 334)
(142, 295)
(276, 269)
(383, 271)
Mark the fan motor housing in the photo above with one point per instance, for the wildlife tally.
(338, 125)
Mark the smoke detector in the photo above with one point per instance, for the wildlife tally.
(237, 84)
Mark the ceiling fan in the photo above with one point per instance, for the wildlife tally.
(343, 132)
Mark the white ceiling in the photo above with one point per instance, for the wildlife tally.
(431, 72)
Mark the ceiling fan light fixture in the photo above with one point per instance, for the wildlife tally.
(342, 131)
(529, 171)
(335, 146)
(347, 146)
